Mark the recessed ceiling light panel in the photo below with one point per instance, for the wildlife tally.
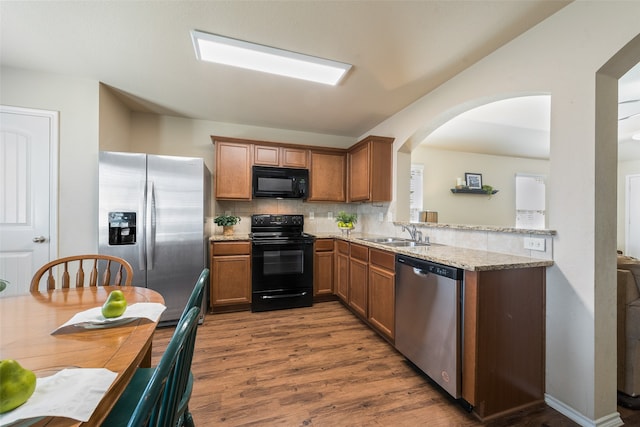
(238, 53)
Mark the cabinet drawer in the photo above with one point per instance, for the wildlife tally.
(382, 259)
(342, 247)
(359, 252)
(231, 248)
(324, 245)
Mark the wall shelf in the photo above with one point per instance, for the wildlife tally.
(471, 191)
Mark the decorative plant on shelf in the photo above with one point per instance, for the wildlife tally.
(487, 189)
(345, 220)
(226, 222)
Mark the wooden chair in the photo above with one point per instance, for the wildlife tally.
(155, 401)
(113, 266)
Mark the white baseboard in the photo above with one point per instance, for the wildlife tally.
(611, 420)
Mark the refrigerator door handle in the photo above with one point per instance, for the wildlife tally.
(143, 229)
(151, 223)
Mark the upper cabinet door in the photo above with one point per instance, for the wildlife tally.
(327, 177)
(370, 169)
(287, 157)
(294, 157)
(266, 155)
(233, 171)
(359, 174)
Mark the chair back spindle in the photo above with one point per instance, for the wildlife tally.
(123, 272)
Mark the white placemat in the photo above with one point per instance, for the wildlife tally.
(71, 393)
(93, 318)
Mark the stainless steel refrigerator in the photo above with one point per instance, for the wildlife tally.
(152, 212)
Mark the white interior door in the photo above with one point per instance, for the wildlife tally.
(28, 159)
(632, 244)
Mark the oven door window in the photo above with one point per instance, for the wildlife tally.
(282, 262)
(277, 266)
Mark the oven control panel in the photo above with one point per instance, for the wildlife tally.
(276, 220)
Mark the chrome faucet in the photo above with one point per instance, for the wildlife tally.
(415, 234)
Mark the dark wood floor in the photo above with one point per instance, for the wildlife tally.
(318, 366)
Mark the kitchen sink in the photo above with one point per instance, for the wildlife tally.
(406, 244)
(394, 242)
(384, 239)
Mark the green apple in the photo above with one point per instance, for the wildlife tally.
(115, 305)
(17, 384)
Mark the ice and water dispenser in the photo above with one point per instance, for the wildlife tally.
(122, 228)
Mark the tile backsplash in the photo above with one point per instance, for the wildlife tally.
(376, 218)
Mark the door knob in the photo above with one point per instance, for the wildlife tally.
(39, 239)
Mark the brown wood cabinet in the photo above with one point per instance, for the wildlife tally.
(341, 275)
(504, 340)
(323, 268)
(370, 169)
(327, 175)
(365, 169)
(233, 171)
(358, 272)
(289, 157)
(382, 292)
(230, 275)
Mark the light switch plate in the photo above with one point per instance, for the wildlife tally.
(312, 215)
(380, 217)
(329, 215)
(534, 243)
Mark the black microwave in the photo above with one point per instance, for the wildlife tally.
(280, 183)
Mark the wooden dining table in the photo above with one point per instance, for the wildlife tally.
(26, 326)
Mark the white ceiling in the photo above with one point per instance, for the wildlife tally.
(400, 50)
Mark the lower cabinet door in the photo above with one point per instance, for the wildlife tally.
(382, 301)
(230, 280)
(358, 287)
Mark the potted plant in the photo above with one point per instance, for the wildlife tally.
(487, 189)
(226, 222)
(346, 221)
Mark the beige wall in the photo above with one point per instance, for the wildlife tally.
(156, 134)
(77, 102)
(442, 167)
(114, 122)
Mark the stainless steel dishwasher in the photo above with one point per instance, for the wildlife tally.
(428, 320)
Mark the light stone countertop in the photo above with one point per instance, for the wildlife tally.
(467, 259)
(233, 237)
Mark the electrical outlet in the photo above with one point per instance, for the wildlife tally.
(534, 243)
(329, 215)
(312, 215)
(380, 217)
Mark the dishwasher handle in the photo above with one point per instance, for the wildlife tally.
(420, 272)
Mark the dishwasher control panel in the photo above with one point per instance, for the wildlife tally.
(431, 267)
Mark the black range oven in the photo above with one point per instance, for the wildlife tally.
(281, 263)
